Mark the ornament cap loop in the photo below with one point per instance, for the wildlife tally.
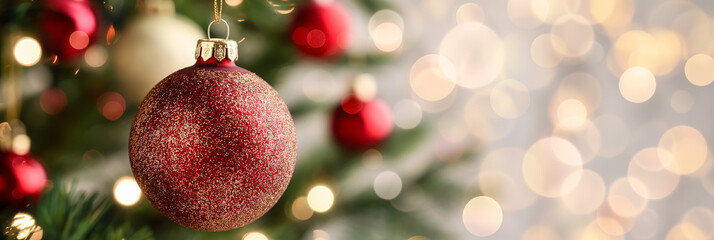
(228, 29)
(216, 48)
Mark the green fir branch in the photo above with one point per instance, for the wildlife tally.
(69, 214)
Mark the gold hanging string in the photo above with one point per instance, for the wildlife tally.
(217, 9)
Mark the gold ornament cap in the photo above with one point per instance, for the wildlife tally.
(217, 48)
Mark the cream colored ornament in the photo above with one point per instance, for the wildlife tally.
(146, 50)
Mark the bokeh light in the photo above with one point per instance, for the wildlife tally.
(234, 3)
(699, 69)
(53, 101)
(586, 139)
(451, 127)
(521, 14)
(126, 191)
(701, 218)
(27, 51)
(510, 99)
(594, 232)
(365, 87)
(482, 216)
(320, 198)
(695, 27)
(580, 86)
(319, 85)
(684, 231)
(646, 225)
(499, 180)
(572, 114)
(255, 236)
(682, 150)
(387, 185)
(619, 18)
(469, 12)
(407, 114)
(547, 165)
(539, 232)
(624, 200)
(96, 56)
(482, 121)
(372, 158)
(653, 180)
(21, 144)
(543, 53)
(111, 34)
(319, 234)
(387, 37)
(601, 10)
(300, 209)
(386, 28)
(658, 51)
(572, 36)
(79, 40)
(588, 194)
(475, 51)
(280, 6)
(111, 105)
(432, 77)
(637, 84)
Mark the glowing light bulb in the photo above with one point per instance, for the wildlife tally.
(126, 191)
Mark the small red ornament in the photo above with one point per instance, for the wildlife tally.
(358, 124)
(321, 28)
(21, 178)
(213, 146)
(68, 27)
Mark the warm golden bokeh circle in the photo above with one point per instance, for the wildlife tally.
(653, 180)
(476, 53)
(698, 69)
(682, 150)
(637, 84)
(547, 165)
(624, 200)
(432, 77)
(588, 194)
(482, 216)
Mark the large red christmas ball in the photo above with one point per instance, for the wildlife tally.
(358, 124)
(67, 27)
(321, 28)
(213, 146)
(21, 178)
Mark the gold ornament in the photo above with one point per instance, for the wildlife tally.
(23, 227)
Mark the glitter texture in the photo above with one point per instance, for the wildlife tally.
(212, 147)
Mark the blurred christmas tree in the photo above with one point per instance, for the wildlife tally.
(78, 69)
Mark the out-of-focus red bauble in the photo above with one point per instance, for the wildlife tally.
(213, 146)
(357, 124)
(21, 178)
(321, 28)
(67, 27)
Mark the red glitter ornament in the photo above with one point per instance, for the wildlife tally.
(321, 28)
(68, 27)
(21, 178)
(213, 146)
(358, 124)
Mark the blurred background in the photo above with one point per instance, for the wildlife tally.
(518, 119)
